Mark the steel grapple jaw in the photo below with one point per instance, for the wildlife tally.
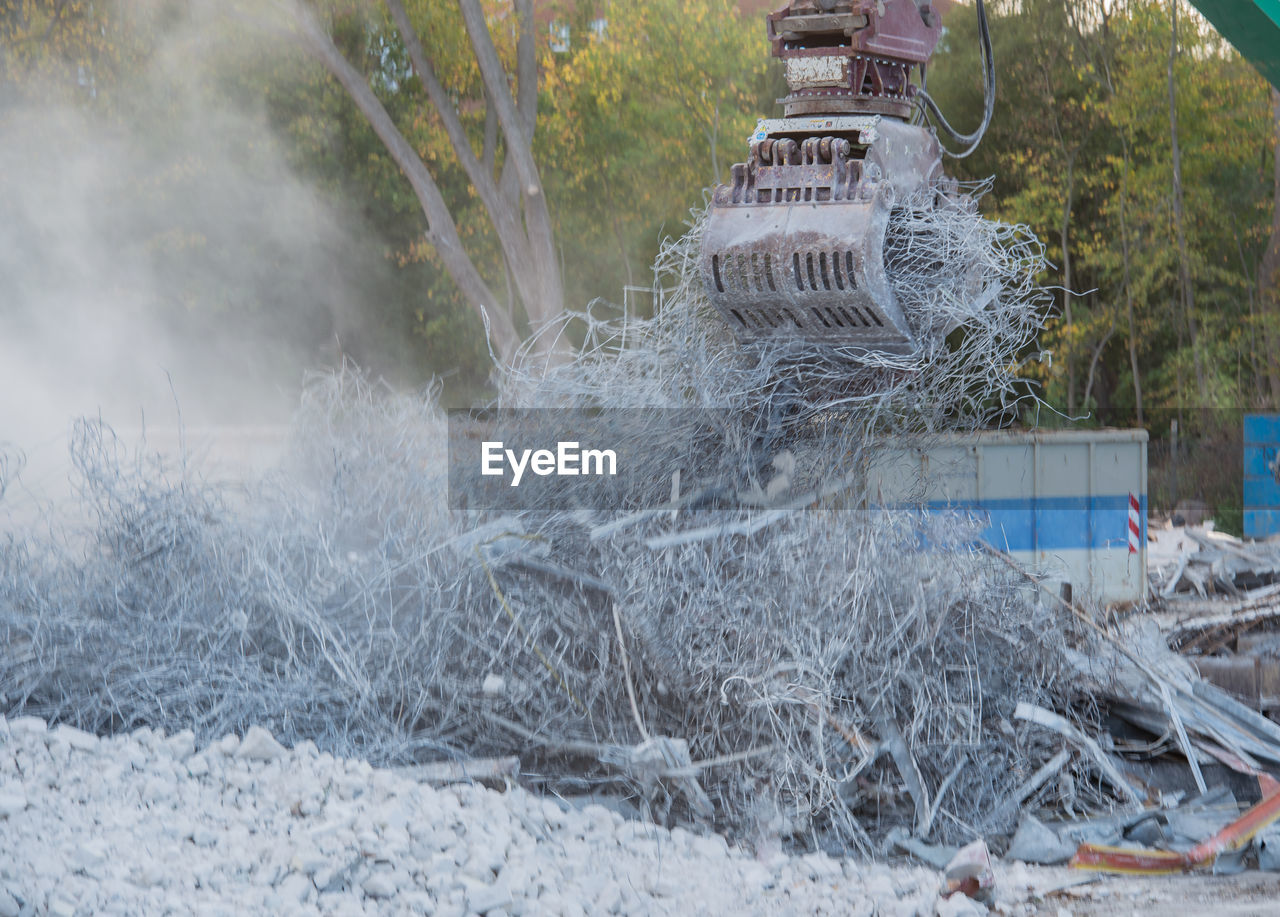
(794, 245)
(802, 270)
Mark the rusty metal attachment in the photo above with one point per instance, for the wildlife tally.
(794, 244)
(854, 56)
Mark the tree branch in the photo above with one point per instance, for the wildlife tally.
(527, 69)
(490, 137)
(1093, 363)
(442, 232)
(546, 301)
(57, 18)
(519, 141)
(505, 220)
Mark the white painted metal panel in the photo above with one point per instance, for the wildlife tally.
(1058, 501)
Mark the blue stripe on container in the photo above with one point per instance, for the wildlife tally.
(1262, 428)
(1054, 523)
(1258, 459)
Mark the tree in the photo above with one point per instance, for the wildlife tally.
(1092, 96)
(62, 47)
(640, 118)
(1185, 288)
(1269, 272)
(502, 174)
(1043, 139)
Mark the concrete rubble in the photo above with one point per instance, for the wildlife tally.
(121, 826)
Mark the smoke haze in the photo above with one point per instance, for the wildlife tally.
(158, 253)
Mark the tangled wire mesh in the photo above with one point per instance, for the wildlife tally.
(783, 659)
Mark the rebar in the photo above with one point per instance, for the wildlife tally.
(339, 599)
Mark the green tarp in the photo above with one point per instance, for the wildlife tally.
(1253, 26)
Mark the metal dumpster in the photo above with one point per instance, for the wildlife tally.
(1068, 504)
(1261, 475)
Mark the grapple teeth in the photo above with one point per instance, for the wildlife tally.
(805, 270)
(795, 245)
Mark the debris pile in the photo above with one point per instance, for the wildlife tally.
(1197, 560)
(1185, 744)
(822, 674)
(763, 655)
(1221, 605)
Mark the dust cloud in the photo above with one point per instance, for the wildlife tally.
(160, 259)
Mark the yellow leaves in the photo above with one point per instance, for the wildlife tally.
(417, 252)
(54, 48)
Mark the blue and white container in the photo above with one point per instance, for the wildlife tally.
(1261, 475)
(1070, 505)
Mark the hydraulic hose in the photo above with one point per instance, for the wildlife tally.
(970, 141)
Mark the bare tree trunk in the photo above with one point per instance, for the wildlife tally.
(1257, 370)
(514, 202)
(1091, 375)
(1066, 278)
(538, 276)
(442, 232)
(1269, 274)
(1128, 290)
(1184, 264)
(490, 148)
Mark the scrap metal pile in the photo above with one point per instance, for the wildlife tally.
(1196, 560)
(1191, 749)
(780, 661)
(787, 670)
(772, 662)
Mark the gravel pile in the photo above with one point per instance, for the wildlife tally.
(147, 824)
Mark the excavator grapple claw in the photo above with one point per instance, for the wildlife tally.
(794, 244)
(806, 269)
